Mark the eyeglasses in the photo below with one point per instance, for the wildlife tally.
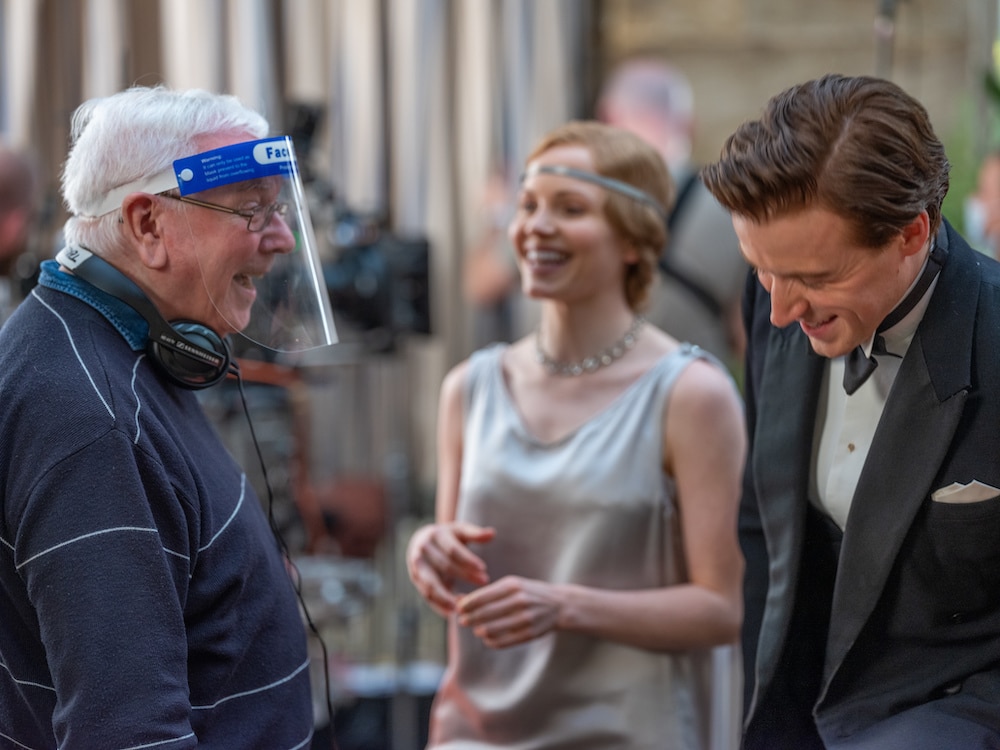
(257, 218)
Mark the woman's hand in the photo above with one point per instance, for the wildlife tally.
(438, 555)
(511, 611)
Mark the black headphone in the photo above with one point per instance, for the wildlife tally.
(190, 354)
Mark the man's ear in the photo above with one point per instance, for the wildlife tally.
(915, 234)
(142, 216)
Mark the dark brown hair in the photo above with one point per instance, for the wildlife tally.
(860, 147)
(623, 156)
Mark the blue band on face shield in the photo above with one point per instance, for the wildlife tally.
(251, 160)
(289, 310)
(269, 157)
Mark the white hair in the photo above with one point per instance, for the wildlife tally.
(135, 134)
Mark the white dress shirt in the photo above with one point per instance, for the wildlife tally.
(845, 425)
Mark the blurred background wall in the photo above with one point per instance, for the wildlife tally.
(402, 110)
(739, 52)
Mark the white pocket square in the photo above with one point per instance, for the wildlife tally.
(973, 492)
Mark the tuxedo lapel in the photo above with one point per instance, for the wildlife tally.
(897, 477)
(909, 447)
(786, 404)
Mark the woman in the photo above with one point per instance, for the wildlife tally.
(585, 544)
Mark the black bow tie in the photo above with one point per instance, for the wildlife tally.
(857, 366)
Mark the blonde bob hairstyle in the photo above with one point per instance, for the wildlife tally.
(623, 156)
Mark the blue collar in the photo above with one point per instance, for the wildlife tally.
(130, 324)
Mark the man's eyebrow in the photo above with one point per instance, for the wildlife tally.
(812, 277)
(804, 278)
(258, 185)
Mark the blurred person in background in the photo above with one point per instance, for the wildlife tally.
(982, 208)
(19, 208)
(695, 297)
(584, 549)
(490, 281)
(872, 406)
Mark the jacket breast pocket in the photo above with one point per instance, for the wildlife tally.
(965, 532)
(956, 553)
(949, 570)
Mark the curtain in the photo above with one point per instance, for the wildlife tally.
(20, 31)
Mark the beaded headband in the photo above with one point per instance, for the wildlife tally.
(609, 183)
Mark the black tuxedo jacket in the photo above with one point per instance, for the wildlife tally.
(906, 614)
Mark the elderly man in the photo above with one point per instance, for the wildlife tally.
(146, 602)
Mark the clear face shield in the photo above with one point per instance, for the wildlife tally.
(265, 280)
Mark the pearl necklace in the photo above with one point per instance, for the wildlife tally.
(594, 362)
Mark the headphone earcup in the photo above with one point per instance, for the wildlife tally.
(189, 370)
(190, 354)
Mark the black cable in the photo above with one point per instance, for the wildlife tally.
(283, 549)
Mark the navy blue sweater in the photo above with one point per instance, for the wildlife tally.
(143, 600)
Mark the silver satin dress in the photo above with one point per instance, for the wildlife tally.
(595, 509)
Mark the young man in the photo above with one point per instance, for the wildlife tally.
(878, 499)
(145, 599)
